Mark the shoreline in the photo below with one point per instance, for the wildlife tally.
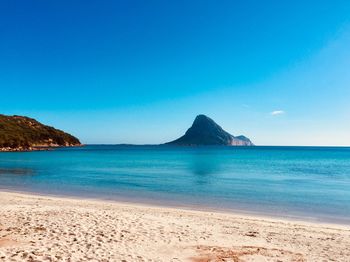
(175, 206)
(186, 208)
(35, 148)
(43, 226)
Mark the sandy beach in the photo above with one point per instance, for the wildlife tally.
(43, 228)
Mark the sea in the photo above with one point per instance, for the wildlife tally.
(306, 183)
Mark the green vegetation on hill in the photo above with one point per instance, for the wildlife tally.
(19, 132)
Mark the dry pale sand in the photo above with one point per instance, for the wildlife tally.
(39, 228)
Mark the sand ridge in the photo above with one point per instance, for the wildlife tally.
(41, 228)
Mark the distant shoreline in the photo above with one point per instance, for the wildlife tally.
(51, 148)
(30, 149)
(35, 148)
(222, 146)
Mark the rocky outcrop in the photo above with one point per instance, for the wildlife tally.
(204, 131)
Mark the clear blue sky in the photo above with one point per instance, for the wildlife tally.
(140, 71)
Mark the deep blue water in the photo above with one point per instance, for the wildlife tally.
(305, 182)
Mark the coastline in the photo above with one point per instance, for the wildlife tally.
(164, 204)
(36, 148)
(36, 226)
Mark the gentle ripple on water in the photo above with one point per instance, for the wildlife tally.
(284, 181)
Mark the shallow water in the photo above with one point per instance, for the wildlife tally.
(303, 182)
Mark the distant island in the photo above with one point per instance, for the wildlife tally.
(204, 131)
(20, 133)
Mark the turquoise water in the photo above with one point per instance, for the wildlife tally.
(304, 182)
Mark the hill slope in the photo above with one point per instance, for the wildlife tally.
(24, 133)
(204, 131)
